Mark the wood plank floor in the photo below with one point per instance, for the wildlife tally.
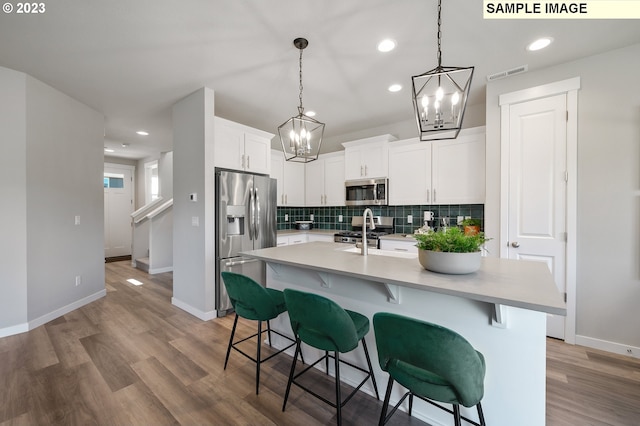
(131, 358)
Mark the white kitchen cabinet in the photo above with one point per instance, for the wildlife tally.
(407, 246)
(367, 158)
(458, 169)
(290, 177)
(325, 181)
(438, 172)
(289, 239)
(327, 238)
(240, 147)
(409, 172)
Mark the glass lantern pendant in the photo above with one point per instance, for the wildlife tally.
(440, 97)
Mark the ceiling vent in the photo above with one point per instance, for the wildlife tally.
(508, 73)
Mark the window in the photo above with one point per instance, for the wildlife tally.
(113, 180)
(151, 182)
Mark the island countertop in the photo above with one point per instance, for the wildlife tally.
(522, 284)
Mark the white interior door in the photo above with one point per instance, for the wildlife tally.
(118, 206)
(538, 189)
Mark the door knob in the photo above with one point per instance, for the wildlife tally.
(515, 244)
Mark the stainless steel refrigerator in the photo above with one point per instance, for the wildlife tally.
(246, 220)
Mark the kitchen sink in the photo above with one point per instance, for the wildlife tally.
(378, 252)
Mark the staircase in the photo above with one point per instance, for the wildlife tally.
(152, 244)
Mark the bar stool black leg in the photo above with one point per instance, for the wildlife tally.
(326, 362)
(233, 332)
(258, 356)
(456, 415)
(291, 373)
(385, 405)
(338, 396)
(373, 377)
(269, 334)
(480, 414)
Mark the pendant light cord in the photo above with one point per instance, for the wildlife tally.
(300, 108)
(439, 36)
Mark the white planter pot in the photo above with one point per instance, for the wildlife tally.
(450, 263)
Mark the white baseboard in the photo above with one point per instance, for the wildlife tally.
(22, 328)
(160, 270)
(14, 329)
(204, 316)
(66, 309)
(604, 345)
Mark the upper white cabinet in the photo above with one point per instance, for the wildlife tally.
(325, 180)
(438, 172)
(409, 172)
(458, 169)
(367, 158)
(290, 177)
(240, 147)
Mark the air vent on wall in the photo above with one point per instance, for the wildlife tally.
(508, 73)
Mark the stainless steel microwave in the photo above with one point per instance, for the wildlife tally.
(367, 192)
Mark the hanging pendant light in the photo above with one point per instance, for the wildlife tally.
(301, 135)
(440, 97)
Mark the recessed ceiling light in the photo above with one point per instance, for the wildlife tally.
(540, 43)
(142, 133)
(395, 88)
(386, 45)
(310, 113)
(109, 150)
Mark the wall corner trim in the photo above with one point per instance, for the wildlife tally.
(204, 316)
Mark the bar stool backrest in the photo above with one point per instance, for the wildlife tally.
(249, 299)
(320, 322)
(407, 343)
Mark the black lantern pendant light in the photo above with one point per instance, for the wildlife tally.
(440, 97)
(301, 136)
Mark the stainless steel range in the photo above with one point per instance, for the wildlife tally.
(384, 226)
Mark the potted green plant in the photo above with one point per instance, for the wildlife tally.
(450, 251)
(471, 226)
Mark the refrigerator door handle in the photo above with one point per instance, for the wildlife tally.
(252, 215)
(256, 220)
(239, 262)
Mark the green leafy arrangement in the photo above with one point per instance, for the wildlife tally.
(471, 222)
(451, 240)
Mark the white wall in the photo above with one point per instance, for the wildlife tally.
(193, 246)
(55, 158)
(608, 240)
(13, 203)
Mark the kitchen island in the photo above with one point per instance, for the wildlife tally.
(501, 310)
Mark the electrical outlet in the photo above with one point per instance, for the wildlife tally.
(459, 220)
(311, 217)
(195, 221)
(340, 218)
(410, 219)
(286, 217)
(78, 280)
(77, 220)
(629, 351)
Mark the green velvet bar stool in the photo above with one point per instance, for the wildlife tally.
(323, 324)
(432, 362)
(253, 302)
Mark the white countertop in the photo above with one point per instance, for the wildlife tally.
(309, 231)
(522, 284)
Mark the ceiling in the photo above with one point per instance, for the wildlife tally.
(133, 59)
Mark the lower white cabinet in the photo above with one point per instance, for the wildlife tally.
(285, 240)
(408, 246)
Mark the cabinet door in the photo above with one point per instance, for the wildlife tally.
(459, 170)
(334, 181)
(293, 184)
(257, 153)
(228, 145)
(374, 161)
(408, 246)
(282, 241)
(410, 174)
(353, 167)
(314, 183)
(277, 172)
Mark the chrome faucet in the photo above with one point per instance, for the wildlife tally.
(364, 248)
